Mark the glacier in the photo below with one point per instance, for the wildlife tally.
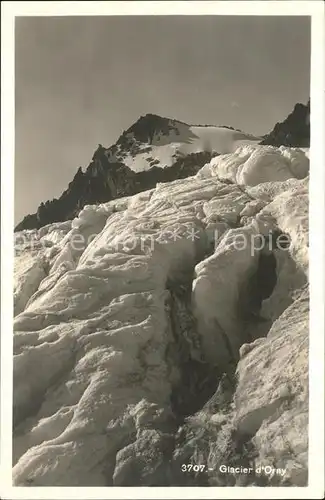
(145, 338)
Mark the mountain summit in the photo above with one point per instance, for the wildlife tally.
(154, 149)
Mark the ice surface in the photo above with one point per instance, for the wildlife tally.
(252, 165)
(92, 378)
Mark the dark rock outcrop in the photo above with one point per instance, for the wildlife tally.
(294, 131)
(144, 129)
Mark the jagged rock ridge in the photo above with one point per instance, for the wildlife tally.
(105, 180)
(294, 131)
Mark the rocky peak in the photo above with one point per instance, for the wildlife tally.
(144, 129)
(294, 131)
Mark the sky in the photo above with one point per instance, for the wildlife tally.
(81, 81)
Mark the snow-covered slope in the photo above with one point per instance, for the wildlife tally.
(153, 331)
(180, 139)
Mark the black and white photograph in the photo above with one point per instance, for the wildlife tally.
(160, 331)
